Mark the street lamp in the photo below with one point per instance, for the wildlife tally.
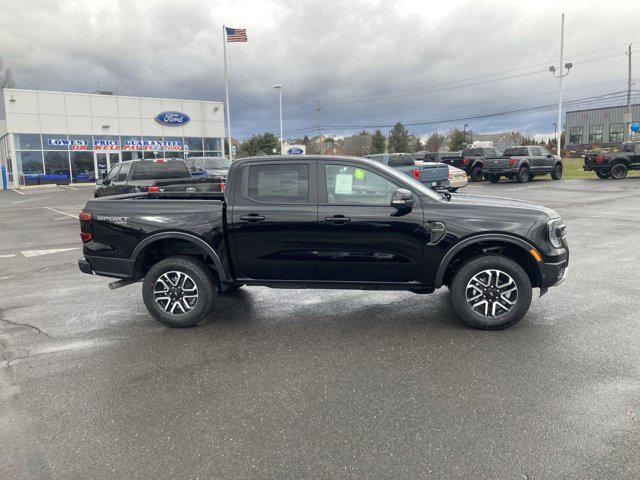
(560, 75)
(278, 87)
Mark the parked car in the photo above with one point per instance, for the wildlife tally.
(472, 161)
(215, 167)
(317, 222)
(457, 179)
(159, 174)
(434, 175)
(523, 164)
(614, 165)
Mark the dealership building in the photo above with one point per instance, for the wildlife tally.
(606, 126)
(61, 137)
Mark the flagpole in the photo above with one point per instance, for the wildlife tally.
(226, 90)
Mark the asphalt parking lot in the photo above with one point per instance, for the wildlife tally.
(320, 384)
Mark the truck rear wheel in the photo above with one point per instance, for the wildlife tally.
(619, 171)
(179, 291)
(491, 292)
(523, 175)
(476, 174)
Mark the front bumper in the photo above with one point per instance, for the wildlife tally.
(555, 272)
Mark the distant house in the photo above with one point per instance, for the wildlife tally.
(334, 149)
(357, 145)
(500, 140)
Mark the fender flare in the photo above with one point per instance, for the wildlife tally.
(208, 249)
(482, 237)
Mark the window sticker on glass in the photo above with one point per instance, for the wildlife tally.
(344, 184)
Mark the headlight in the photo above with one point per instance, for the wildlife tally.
(557, 230)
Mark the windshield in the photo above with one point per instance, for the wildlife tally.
(216, 163)
(411, 181)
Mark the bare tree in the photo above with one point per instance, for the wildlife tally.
(435, 142)
(6, 77)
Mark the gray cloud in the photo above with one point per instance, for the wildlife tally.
(369, 62)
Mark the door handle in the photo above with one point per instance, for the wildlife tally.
(253, 218)
(338, 219)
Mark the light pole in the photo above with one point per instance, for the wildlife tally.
(278, 87)
(560, 75)
(464, 129)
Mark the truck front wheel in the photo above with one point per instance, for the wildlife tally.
(179, 291)
(491, 292)
(557, 172)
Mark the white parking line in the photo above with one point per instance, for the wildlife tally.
(8, 256)
(17, 191)
(37, 253)
(61, 213)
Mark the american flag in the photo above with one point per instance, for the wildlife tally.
(236, 34)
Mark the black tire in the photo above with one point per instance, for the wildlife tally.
(523, 174)
(453, 189)
(602, 174)
(494, 177)
(619, 171)
(476, 174)
(509, 270)
(199, 275)
(557, 172)
(532, 176)
(485, 176)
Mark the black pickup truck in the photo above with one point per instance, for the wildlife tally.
(324, 222)
(472, 161)
(614, 165)
(159, 174)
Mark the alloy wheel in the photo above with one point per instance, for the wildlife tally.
(491, 293)
(175, 292)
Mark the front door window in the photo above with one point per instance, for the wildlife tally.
(103, 161)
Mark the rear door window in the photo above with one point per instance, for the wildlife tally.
(124, 171)
(399, 160)
(283, 183)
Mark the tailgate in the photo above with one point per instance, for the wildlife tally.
(496, 164)
(433, 173)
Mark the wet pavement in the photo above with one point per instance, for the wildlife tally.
(320, 384)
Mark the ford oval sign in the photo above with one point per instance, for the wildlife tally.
(172, 119)
(295, 151)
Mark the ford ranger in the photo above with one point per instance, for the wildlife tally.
(324, 222)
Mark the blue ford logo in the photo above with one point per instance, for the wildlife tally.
(172, 119)
(294, 151)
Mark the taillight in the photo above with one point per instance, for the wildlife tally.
(599, 158)
(416, 173)
(465, 161)
(222, 186)
(448, 173)
(153, 189)
(84, 218)
(512, 162)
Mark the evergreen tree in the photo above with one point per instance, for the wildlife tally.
(378, 142)
(399, 139)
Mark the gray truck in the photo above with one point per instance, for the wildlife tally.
(523, 164)
(432, 174)
(471, 160)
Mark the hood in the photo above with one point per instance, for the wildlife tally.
(499, 202)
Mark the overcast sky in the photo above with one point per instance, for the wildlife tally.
(368, 62)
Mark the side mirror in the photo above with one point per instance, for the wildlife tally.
(402, 199)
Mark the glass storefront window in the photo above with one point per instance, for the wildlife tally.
(56, 167)
(27, 141)
(54, 141)
(128, 155)
(82, 167)
(173, 144)
(80, 142)
(212, 154)
(131, 143)
(30, 164)
(190, 154)
(106, 142)
(193, 143)
(173, 155)
(616, 132)
(212, 144)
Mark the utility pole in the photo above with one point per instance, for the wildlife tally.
(561, 75)
(319, 128)
(627, 133)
